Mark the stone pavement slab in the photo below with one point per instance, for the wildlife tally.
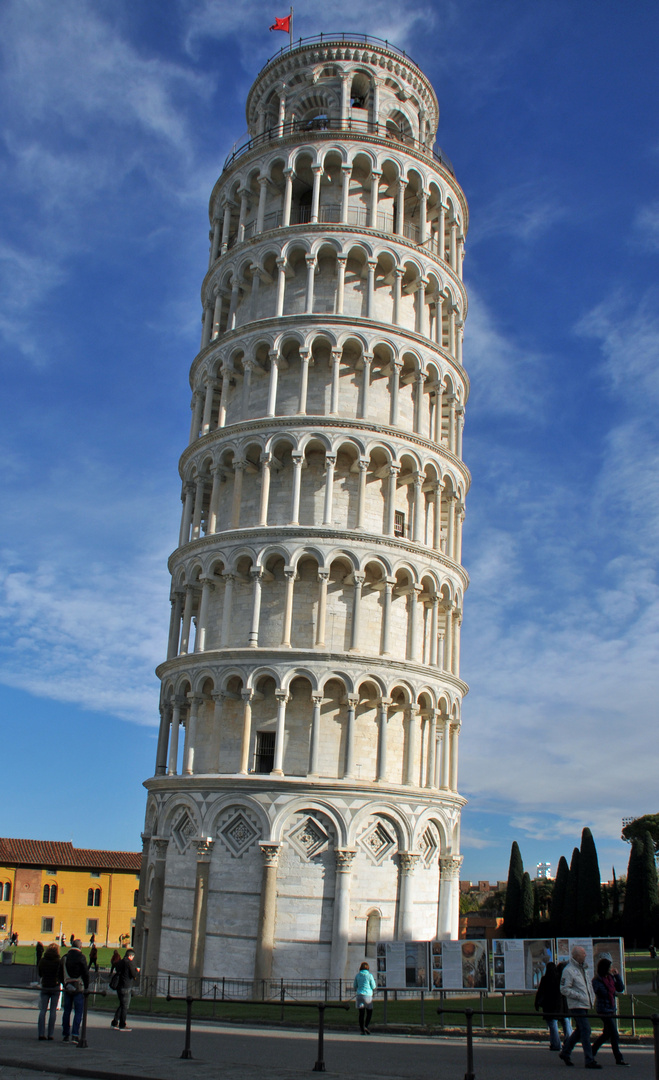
(152, 1051)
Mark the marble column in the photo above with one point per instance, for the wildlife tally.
(265, 933)
(330, 462)
(190, 734)
(282, 699)
(247, 696)
(448, 914)
(314, 742)
(157, 846)
(163, 738)
(173, 740)
(381, 768)
(341, 915)
(453, 775)
(358, 580)
(256, 574)
(290, 575)
(199, 917)
(432, 750)
(389, 584)
(412, 770)
(349, 764)
(407, 862)
(266, 465)
(229, 580)
(323, 578)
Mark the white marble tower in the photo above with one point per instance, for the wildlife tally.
(305, 802)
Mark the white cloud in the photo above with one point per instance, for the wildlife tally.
(522, 211)
(646, 225)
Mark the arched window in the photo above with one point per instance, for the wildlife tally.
(46, 894)
(135, 896)
(7, 891)
(372, 932)
(97, 897)
(90, 897)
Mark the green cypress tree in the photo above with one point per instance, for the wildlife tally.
(570, 908)
(632, 913)
(511, 909)
(557, 911)
(526, 907)
(650, 895)
(589, 887)
(615, 895)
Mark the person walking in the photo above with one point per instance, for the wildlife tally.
(127, 972)
(38, 952)
(364, 985)
(578, 993)
(606, 984)
(549, 998)
(49, 976)
(93, 957)
(74, 976)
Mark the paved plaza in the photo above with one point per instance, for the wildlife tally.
(152, 1051)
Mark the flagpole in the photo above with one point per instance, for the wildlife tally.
(290, 28)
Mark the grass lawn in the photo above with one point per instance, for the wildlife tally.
(25, 954)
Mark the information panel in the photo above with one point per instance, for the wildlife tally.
(402, 965)
(458, 965)
(595, 949)
(519, 963)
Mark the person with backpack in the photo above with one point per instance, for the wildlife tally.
(74, 976)
(123, 977)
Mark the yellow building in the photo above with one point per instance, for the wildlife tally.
(48, 888)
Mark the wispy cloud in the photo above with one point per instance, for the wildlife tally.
(646, 226)
(523, 212)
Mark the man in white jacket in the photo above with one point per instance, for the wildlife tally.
(578, 993)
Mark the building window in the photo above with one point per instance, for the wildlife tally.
(50, 894)
(92, 926)
(135, 896)
(6, 890)
(265, 752)
(95, 873)
(97, 897)
(3, 922)
(373, 924)
(93, 897)
(51, 872)
(46, 926)
(399, 523)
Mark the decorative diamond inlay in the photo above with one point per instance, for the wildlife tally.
(183, 831)
(429, 847)
(377, 842)
(238, 834)
(308, 838)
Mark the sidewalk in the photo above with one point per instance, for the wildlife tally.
(152, 1051)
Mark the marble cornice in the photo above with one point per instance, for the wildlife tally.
(310, 534)
(256, 783)
(320, 659)
(282, 322)
(289, 423)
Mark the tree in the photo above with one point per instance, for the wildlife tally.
(570, 907)
(511, 909)
(526, 907)
(650, 895)
(589, 886)
(615, 896)
(636, 829)
(632, 914)
(557, 910)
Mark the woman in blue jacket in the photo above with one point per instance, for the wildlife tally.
(364, 984)
(606, 984)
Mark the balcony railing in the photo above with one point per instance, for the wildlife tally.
(320, 126)
(344, 39)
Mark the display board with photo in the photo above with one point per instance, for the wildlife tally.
(458, 965)
(520, 963)
(402, 965)
(595, 949)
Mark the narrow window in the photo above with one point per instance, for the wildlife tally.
(7, 891)
(135, 896)
(46, 926)
(399, 523)
(90, 897)
(97, 897)
(53, 894)
(372, 932)
(46, 894)
(265, 752)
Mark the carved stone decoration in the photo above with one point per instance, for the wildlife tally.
(377, 842)
(159, 847)
(238, 834)
(205, 849)
(344, 860)
(449, 866)
(308, 838)
(408, 861)
(270, 854)
(184, 831)
(429, 847)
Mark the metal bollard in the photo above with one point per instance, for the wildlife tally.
(470, 1074)
(82, 1040)
(655, 1029)
(187, 1052)
(320, 1059)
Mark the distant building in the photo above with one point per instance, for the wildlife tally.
(543, 871)
(48, 888)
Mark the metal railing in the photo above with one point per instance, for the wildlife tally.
(344, 39)
(321, 126)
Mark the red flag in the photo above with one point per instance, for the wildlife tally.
(282, 24)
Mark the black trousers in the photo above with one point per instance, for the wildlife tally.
(122, 1007)
(609, 1034)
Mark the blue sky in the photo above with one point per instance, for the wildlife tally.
(116, 120)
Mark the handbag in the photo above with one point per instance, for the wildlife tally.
(114, 981)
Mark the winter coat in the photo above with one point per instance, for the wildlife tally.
(575, 986)
(49, 972)
(76, 967)
(606, 987)
(364, 983)
(127, 971)
(548, 995)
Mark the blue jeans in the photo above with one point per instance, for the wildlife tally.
(75, 1002)
(554, 1037)
(48, 997)
(580, 1034)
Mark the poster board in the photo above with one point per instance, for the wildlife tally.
(595, 948)
(520, 963)
(402, 965)
(459, 965)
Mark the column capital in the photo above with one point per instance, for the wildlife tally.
(270, 853)
(330, 459)
(205, 849)
(283, 696)
(228, 578)
(297, 457)
(323, 573)
(317, 697)
(159, 845)
(408, 861)
(310, 260)
(247, 695)
(317, 168)
(290, 573)
(344, 859)
(449, 866)
(385, 702)
(256, 573)
(353, 700)
(359, 577)
(363, 464)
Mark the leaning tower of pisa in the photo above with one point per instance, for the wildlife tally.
(304, 803)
